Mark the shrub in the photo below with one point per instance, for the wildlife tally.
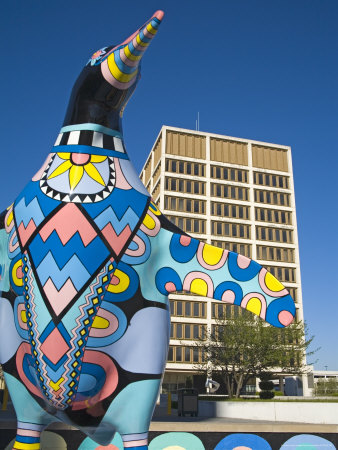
(266, 395)
(266, 385)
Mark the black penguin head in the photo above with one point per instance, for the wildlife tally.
(109, 78)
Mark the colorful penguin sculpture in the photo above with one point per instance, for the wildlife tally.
(87, 262)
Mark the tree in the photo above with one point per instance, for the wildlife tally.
(326, 387)
(244, 346)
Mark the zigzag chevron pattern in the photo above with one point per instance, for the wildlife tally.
(30, 217)
(63, 254)
(29, 211)
(73, 269)
(116, 231)
(108, 215)
(66, 228)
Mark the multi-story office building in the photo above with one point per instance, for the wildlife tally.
(233, 193)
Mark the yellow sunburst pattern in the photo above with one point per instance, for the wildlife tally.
(77, 164)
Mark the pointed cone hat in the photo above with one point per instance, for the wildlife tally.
(121, 66)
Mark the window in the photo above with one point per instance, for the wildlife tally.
(171, 354)
(195, 355)
(275, 254)
(184, 205)
(224, 173)
(230, 229)
(184, 186)
(273, 215)
(243, 249)
(286, 274)
(264, 179)
(225, 210)
(273, 234)
(272, 198)
(187, 354)
(293, 292)
(225, 311)
(187, 331)
(187, 308)
(189, 224)
(233, 192)
(185, 167)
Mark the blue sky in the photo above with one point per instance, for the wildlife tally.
(256, 69)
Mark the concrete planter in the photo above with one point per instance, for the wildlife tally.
(298, 412)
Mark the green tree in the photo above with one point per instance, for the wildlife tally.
(244, 346)
(326, 387)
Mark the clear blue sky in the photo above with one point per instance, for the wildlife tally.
(257, 69)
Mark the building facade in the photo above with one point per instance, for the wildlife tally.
(233, 193)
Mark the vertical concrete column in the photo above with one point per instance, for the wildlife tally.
(252, 207)
(306, 391)
(163, 152)
(281, 383)
(208, 189)
(295, 237)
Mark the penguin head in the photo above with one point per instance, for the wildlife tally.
(109, 78)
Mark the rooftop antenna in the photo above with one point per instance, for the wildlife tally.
(198, 122)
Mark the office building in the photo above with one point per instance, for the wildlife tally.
(233, 193)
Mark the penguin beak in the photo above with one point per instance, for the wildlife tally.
(122, 64)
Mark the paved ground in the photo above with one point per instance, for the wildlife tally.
(164, 422)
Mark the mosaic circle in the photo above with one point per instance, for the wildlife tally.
(307, 442)
(176, 441)
(239, 441)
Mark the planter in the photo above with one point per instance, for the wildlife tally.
(297, 412)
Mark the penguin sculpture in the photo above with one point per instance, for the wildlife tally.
(87, 262)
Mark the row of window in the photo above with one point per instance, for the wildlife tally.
(230, 229)
(183, 185)
(224, 173)
(191, 354)
(219, 310)
(225, 191)
(225, 311)
(187, 308)
(294, 294)
(266, 179)
(273, 234)
(185, 167)
(156, 191)
(287, 274)
(273, 215)
(275, 254)
(243, 249)
(234, 211)
(184, 205)
(272, 198)
(187, 331)
(157, 174)
(188, 225)
(187, 354)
